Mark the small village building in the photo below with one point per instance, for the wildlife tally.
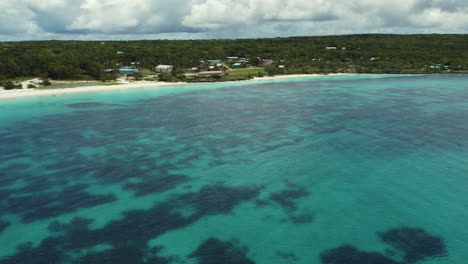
(210, 74)
(120, 52)
(211, 68)
(281, 66)
(331, 48)
(237, 64)
(232, 59)
(213, 61)
(164, 68)
(439, 67)
(267, 62)
(194, 69)
(128, 71)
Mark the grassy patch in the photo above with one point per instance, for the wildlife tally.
(21, 79)
(242, 73)
(146, 72)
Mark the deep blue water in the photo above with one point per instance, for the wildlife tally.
(332, 170)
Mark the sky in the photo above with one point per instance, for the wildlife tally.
(200, 19)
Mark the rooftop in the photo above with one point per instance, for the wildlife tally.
(164, 66)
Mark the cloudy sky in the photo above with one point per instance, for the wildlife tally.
(194, 19)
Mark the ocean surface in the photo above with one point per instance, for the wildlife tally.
(320, 170)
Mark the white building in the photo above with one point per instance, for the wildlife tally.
(164, 68)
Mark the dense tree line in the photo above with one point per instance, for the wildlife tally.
(373, 53)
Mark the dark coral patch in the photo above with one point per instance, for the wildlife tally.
(287, 255)
(218, 199)
(415, 243)
(49, 204)
(129, 236)
(76, 224)
(215, 251)
(156, 183)
(302, 218)
(130, 254)
(286, 198)
(3, 225)
(409, 245)
(350, 255)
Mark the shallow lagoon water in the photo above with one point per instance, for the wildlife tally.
(337, 169)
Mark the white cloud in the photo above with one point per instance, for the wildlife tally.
(435, 17)
(26, 19)
(16, 18)
(107, 16)
(215, 14)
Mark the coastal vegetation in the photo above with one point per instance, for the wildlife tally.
(371, 53)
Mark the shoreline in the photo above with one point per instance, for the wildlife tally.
(24, 93)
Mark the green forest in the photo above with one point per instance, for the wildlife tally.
(372, 53)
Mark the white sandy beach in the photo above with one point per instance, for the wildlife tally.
(20, 93)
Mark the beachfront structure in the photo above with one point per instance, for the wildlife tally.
(267, 62)
(210, 74)
(164, 68)
(438, 67)
(331, 48)
(128, 71)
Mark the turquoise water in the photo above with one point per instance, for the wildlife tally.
(337, 169)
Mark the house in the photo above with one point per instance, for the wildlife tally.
(128, 71)
(267, 62)
(281, 66)
(120, 52)
(237, 64)
(164, 68)
(210, 74)
(232, 59)
(439, 66)
(331, 48)
(211, 68)
(194, 69)
(213, 61)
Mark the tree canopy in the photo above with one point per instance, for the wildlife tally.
(372, 53)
